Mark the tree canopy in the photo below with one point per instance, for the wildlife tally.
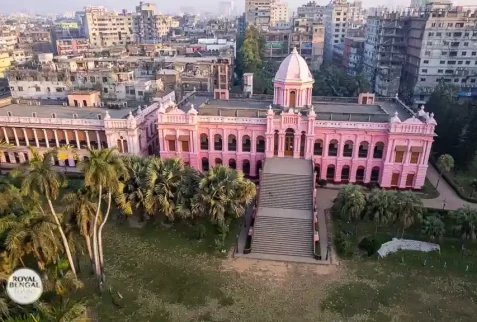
(334, 81)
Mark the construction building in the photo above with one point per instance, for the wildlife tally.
(258, 13)
(105, 29)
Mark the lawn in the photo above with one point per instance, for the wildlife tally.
(165, 275)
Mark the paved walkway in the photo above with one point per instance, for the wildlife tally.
(324, 200)
(447, 194)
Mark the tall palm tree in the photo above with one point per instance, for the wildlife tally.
(350, 203)
(188, 188)
(64, 152)
(466, 223)
(380, 205)
(82, 209)
(4, 147)
(30, 233)
(42, 180)
(163, 178)
(135, 186)
(102, 170)
(223, 193)
(408, 208)
(445, 163)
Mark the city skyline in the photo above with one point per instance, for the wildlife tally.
(55, 6)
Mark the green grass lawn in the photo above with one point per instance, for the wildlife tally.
(164, 275)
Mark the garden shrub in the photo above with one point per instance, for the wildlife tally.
(344, 244)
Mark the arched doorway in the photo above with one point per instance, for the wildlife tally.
(205, 164)
(232, 164)
(375, 174)
(345, 173)
(289, 136)
(302, 144)
(246, 167)
(360, 175)
(330, 173)
(292, 99)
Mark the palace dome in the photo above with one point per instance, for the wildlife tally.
(293, 69)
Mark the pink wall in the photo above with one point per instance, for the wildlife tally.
(407, 136)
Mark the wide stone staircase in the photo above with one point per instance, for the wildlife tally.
(284, 223)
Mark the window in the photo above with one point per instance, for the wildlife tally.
(431, 34)
(105, 79)
(48, 89)
(37, 88)
(456, 80)
(20, 88)
(474, 53)
(451, 62)
(433, 24)
(442, 62)
(440, 71)
(472, 80)
(33, 114)
(450, 24)
(92, 79)
(410, 180)
(424, 71)
(172, 145)
(53, 115)
(423, 79)
(399, 156)
(140, 93)
(453, 54)
(466, 44)
(438, 34)
(464, 53)
(426, 62)
(427, 53)
(105, 90)
(75, 116)
(59, 89)
(460, 62)
(185, 146)
(467, 62)
(457, 34)
(429, 43)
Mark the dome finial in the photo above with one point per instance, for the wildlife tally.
(294, 51)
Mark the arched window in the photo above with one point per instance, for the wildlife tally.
(375, 174)
(348, 149)
(246, 143)
(218, 142)
(378, 150)
(204, 142)
(330, 172)
(360, 174)
(275, 143)
(363, 150)
(260, 144)
(333, 148)
(246, 167)
(345, 173)
(232, 164)
(318, 147)
(232, 143)
(205, 164)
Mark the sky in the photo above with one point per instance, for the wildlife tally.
(60, 6)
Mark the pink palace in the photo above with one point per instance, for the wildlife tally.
(358, 140)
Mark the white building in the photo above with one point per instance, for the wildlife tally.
(278, 12)
(258, 13)
(336, 20)
(105, 29)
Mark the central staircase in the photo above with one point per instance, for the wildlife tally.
(284, 222)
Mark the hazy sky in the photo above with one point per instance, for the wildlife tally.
(59, 6)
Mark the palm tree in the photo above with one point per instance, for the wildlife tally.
(445, 163)
(11, 199)
(82, 209)
(30, 233)
(466, 223)
(350, 202)
(380, 205)
(223, 192)
(64, 152)
(135, 185)
(42, 180)
(185, 193)
(408, 208)
(4, 147)
(163, 178)
(65, 310)
(103, 170)
(432, 227)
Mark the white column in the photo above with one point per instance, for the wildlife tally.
(66, 137)
(98, 140)
(36, 138)
(77, 140)
(87, 139)
(56, 139)
(46, 138)
(26, 137)
(16, 136)
(6, 136)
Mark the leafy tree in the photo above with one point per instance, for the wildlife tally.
(11, 198)
(408, 208)
(223, 193)
(350, 204)
(466, 223)
(432, 227)
(445, 163)
(380, 207)
(42, 180)
(334, 81)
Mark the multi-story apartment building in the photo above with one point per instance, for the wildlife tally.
(8, 40)
(105, 29)
(278, 12)
(441, 47)
(384, 52)
(149, 26)
(352, 59)
(5, 62)
(258, 13)
(311, 11)
(72, 46)
(277, 44)
(336, 25)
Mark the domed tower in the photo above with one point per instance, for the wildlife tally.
(293, 82)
